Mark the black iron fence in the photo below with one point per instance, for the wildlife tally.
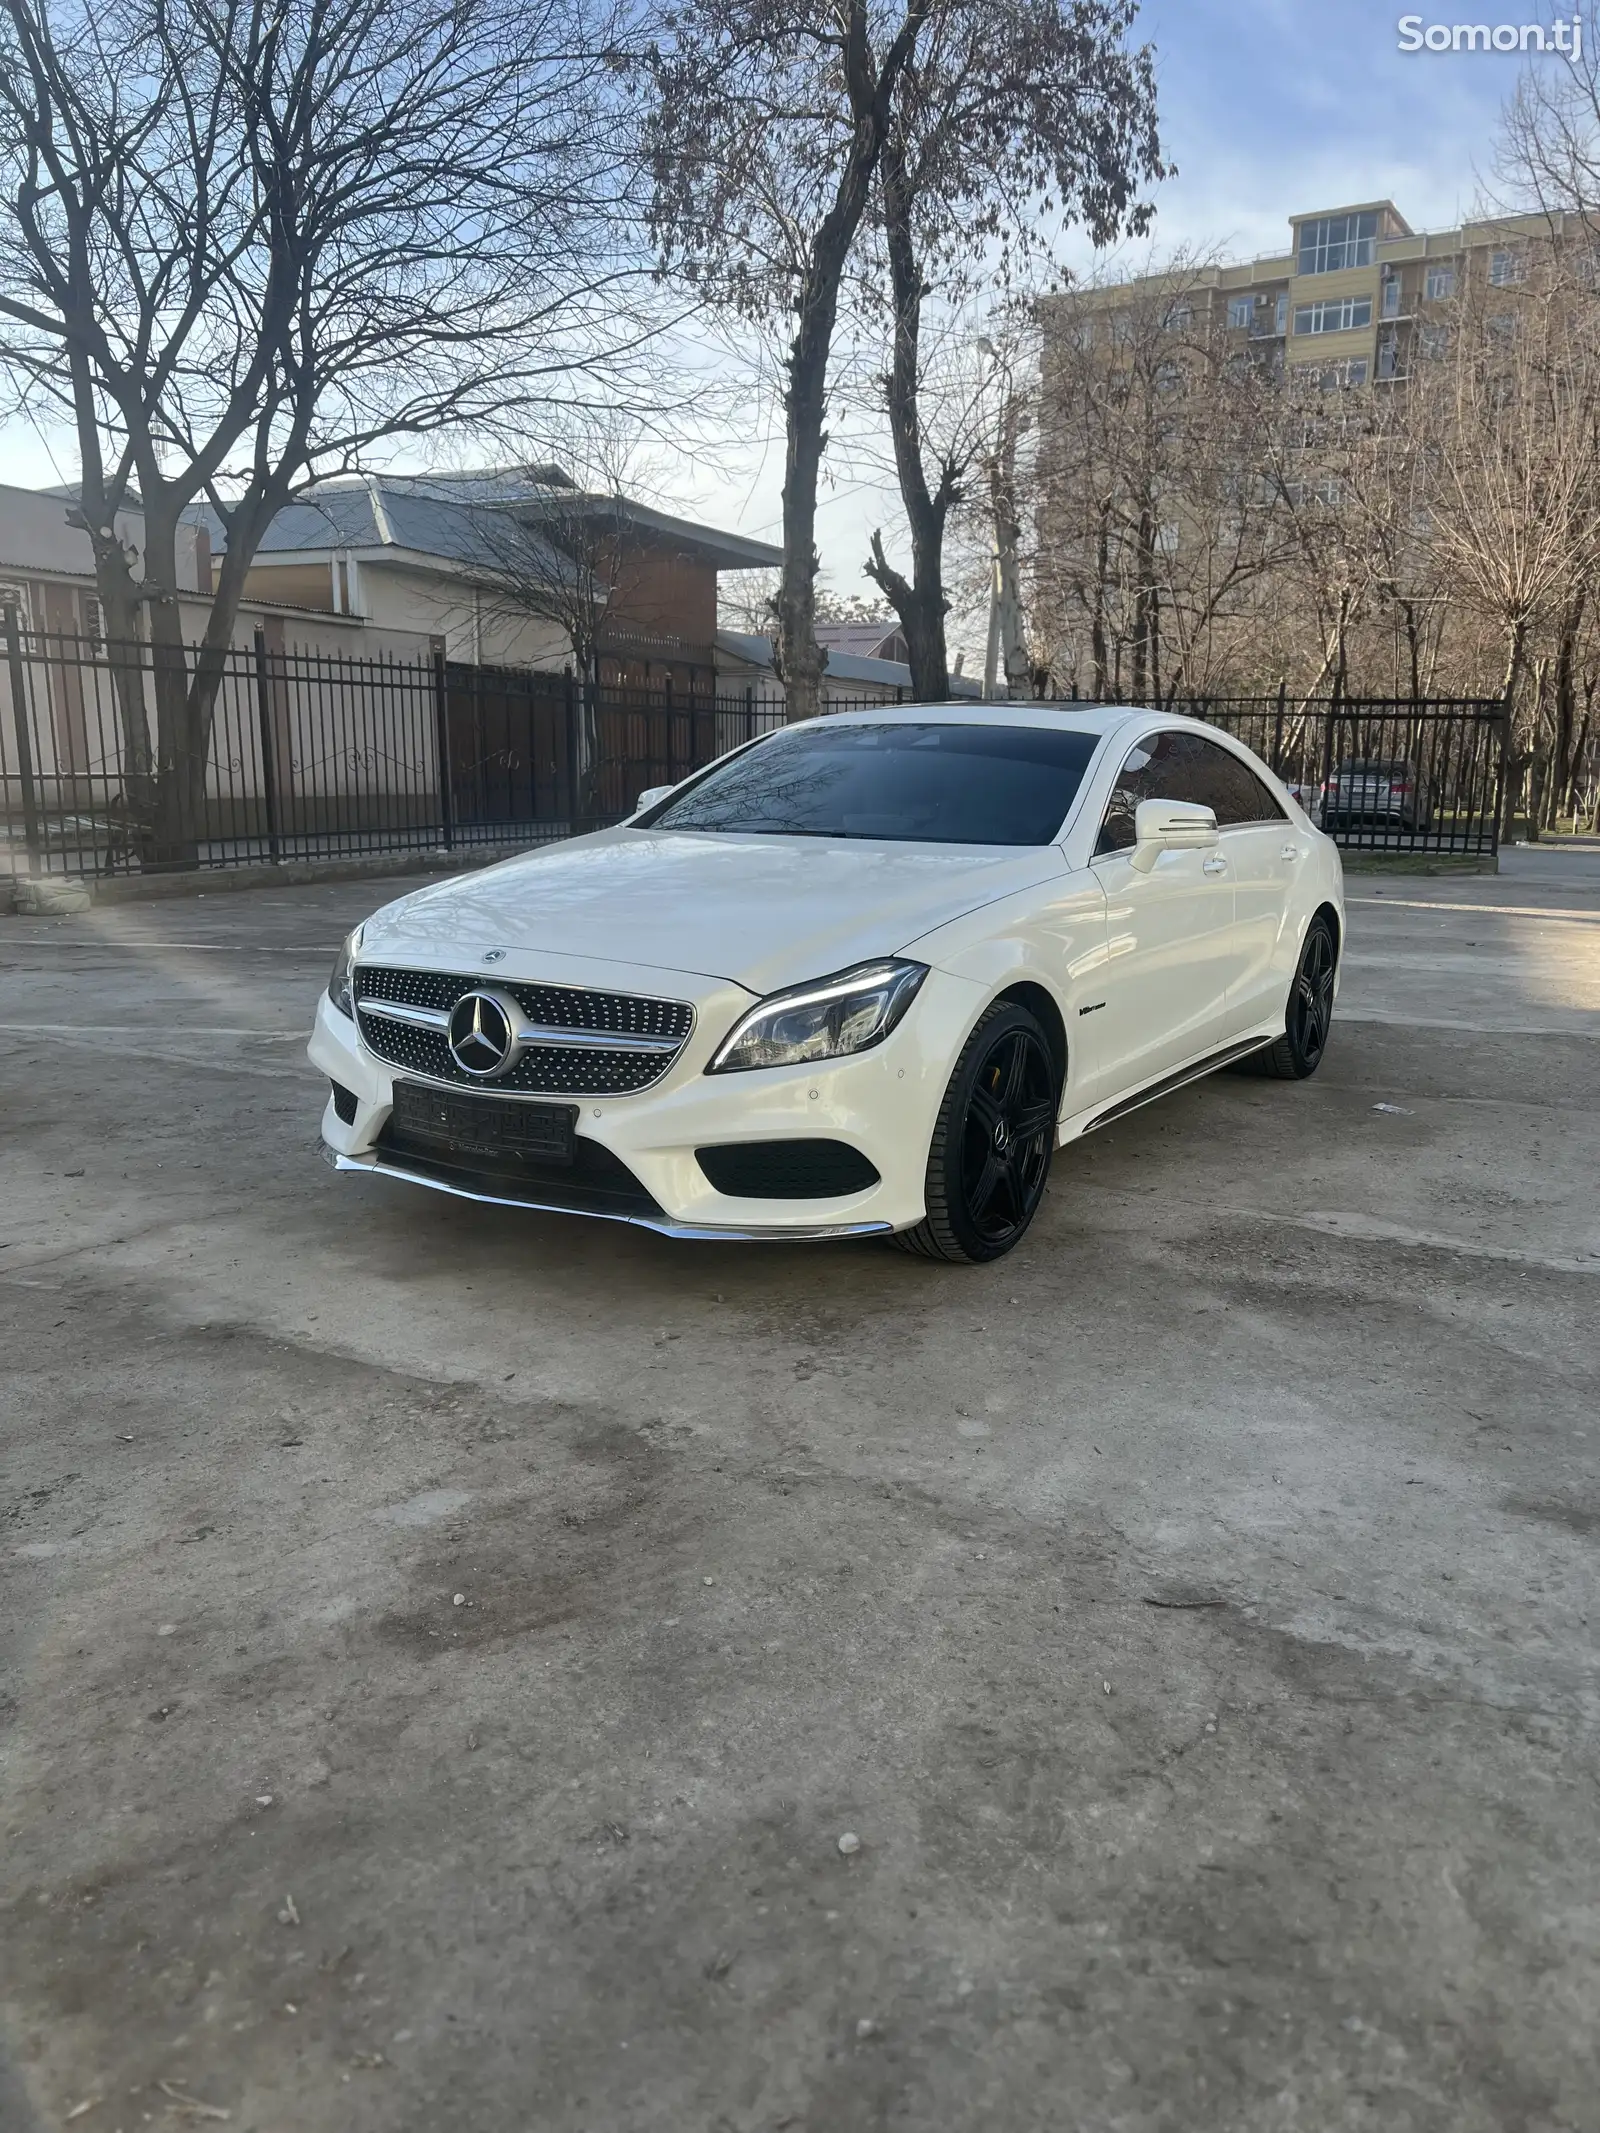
(1422, 777)
(321, 755)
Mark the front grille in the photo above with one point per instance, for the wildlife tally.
(548, 1069)
(786, 1170)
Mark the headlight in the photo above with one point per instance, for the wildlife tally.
(340, 991)
(827, 1020)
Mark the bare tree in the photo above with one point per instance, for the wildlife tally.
(242, 246)
(1158, 511)
(749, 604)
(1514, 426)
(767, 124)
(1011, 120)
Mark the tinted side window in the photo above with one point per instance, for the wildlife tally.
(1230, 788)
(1163, 767)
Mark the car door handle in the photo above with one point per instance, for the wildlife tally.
(1216, 864)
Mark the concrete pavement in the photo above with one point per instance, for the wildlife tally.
(1193, 1616)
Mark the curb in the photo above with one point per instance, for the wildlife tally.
(1415, 864)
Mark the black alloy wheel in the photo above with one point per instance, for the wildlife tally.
(992, 1142)
(1309, 1015)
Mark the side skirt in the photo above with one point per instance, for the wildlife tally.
(1197, 1071)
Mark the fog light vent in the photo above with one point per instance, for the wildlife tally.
(344, 1104)
(786, 1170)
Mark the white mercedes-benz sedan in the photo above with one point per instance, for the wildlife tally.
(862, 976)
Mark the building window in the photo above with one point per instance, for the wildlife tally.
(1241, 311)
(1391, 297)
(1505, 268)
(1121, 330)
(14, 595)
(1434, 342)
(1337, 314)
(1335, 242)
(1440, 284)
(1333, 377)
(1179, 319)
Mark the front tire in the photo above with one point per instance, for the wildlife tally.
(992, 1142)
(1309, 1014)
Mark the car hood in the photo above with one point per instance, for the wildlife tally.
(761, 911)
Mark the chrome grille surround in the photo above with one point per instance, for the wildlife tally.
(565, 1066)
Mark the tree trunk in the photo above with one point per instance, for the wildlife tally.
(1564, 754)
(921, 622)
(1516, 660)
(187, 683)
(1097, 616)
(1341, 643)
(1414, 648)
(1141, 670)
(797, 655)
(919, 603)
(119, 616)
(180, 778)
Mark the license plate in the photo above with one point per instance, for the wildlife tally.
(486, 1125)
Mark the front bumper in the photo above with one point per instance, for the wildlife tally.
(882, 1102)
(703, 1233)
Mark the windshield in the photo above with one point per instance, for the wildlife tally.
(933, 784)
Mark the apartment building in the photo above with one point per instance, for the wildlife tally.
(1355, 296)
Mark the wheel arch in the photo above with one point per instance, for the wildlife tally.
(1335, 926)
(1042, 1004)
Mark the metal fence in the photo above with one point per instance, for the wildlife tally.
(1421, 777)
(318, 755)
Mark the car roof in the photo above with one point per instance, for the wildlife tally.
(993, 711)
(1096, 719)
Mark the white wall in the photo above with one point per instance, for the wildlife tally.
(35, 538)
(474, 629)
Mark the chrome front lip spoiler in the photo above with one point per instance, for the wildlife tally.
(826, 1233)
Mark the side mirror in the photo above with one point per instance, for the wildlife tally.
(651, 796)
(1169, 826)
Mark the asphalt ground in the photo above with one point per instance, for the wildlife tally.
(1193, 1617)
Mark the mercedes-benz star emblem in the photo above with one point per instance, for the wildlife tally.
(482, 1035)
(494, 955)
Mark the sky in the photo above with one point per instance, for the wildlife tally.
(1268, 108)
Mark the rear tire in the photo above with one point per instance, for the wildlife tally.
(992, 1142)
(1308, 1017)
